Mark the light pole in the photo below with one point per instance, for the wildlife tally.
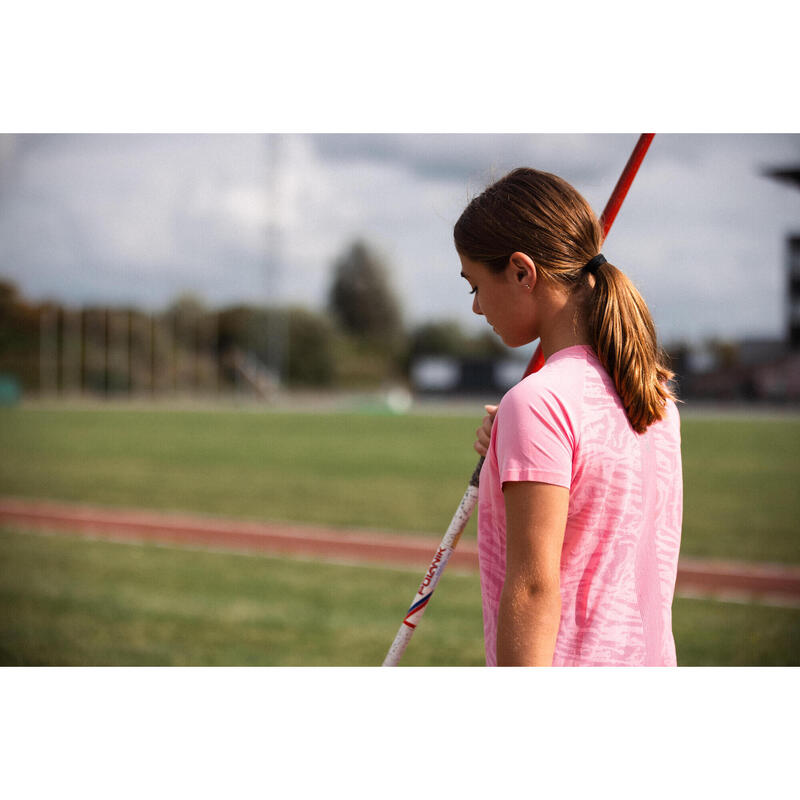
(278, 318)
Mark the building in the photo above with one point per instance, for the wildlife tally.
(791, 175)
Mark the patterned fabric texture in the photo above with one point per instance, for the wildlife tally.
(565, 425)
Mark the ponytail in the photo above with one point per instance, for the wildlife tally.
(624, 338)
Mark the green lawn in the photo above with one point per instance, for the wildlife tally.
(69, 601)
(396, 473)
(742, 489)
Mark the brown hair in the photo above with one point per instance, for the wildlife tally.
(541, 215)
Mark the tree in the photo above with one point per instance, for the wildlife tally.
(310, 346)
(361, 299)
(438, 338)
(446, 338)
(19, 336)
(187, 304)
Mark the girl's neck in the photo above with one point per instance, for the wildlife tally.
(563, 324)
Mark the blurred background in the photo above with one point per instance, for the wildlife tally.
(272, 328)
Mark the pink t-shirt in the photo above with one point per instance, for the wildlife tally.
(565, 425)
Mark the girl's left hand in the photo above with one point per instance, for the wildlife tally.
(484, 433)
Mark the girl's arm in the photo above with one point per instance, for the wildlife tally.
(530, 605)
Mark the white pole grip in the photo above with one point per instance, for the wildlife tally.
(435, 570)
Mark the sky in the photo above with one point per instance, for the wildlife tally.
(142, 218)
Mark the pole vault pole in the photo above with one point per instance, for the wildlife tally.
(470, 498)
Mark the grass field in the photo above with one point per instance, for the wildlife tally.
(741, 477)
(71, 601)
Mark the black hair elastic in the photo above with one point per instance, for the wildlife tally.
(592, 266)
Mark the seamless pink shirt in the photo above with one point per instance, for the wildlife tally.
(565, 425)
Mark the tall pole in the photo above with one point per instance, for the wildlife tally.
(213, 338)
(71, 351)
(48, 350)
(93, 350)
(118, 351)
(277, 327)
(152, 353)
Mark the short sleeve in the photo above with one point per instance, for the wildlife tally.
(535, 436)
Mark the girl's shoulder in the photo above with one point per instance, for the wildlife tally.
(562, 377)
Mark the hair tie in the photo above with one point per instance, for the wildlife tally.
(592, 266)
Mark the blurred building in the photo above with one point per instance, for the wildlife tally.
(773, 377)
(750, 369)
(451, 375)
(794, 291)
(791, 176)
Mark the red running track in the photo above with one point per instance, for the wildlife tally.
(773, 583)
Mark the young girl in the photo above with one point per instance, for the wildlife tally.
(580, 503)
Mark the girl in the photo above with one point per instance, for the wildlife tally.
(580, 503)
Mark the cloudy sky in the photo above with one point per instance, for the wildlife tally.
(142, 218)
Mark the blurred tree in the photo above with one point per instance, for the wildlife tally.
(361, 299)
(19, 336)
(487, 344)
(9, 296)
(310, 347)
(443, 338)
(187, 304)
(182, 316)
(446, 338)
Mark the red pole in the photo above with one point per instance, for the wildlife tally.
(607, 218)
(624, 182)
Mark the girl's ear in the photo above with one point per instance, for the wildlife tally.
(523, 270)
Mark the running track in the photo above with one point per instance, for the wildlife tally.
(737, 581)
